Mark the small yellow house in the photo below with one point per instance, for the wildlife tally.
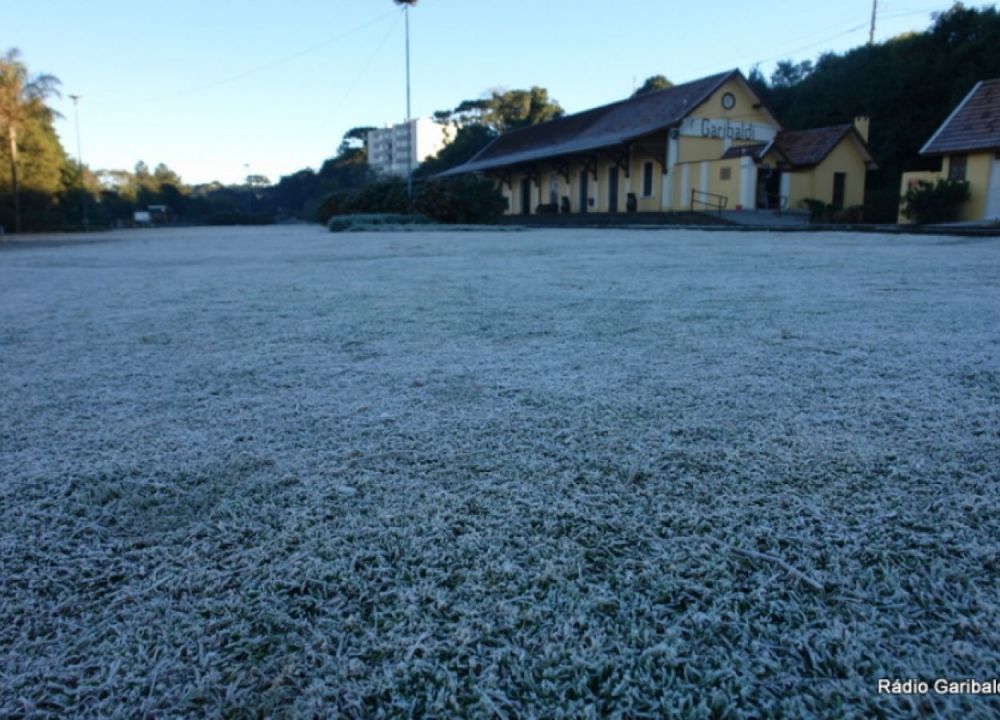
(827, 164)
(707, 144)
(968, 143)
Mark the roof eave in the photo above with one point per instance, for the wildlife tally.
(672, 122)
(925, 150)
(962, 150)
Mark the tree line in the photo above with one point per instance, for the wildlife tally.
(42, 188)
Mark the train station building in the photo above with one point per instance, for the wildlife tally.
(707, 144)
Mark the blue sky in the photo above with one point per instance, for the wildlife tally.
(210, 87)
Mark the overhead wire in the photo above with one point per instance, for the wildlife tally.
(854, 27)
(364, 69)
(826, 38)
(268, 66)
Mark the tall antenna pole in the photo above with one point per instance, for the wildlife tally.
(409, 125)
(871, 32)
(79, 159)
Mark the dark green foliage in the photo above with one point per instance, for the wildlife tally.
(236, 218)
(521, 108)
(386, 196)
(339, 202)
(787, 73)
(34, 158)
(821, 212)
(354, 139)
(40, 212)
(907, 86)
(304, 194)
(353, 222)
(652, 84)
(938, 203)
(503, 111)
(348, 167)
(469, 140)
(461, 199)
(293, 191)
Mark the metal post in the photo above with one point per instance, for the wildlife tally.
(249, 193)
(79, 160)
(409, 126)
(871, 32)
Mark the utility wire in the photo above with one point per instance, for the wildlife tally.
(268, 66)
(817, 43)
(742, 56)
(364, 68)
(840, 34)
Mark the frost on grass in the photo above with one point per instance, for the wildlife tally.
(277, 472)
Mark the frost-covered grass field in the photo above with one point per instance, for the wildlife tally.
(279, 472)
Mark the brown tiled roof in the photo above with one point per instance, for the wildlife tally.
(973, 125)
(803, 148)
(597, 128)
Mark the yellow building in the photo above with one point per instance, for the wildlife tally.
(968, 144)
(710, 144)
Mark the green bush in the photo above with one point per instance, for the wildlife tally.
(239, 218)
(339, 202)
(385, 196)
(464, 199)
(935, 203)
(366, 221)
(819, 211)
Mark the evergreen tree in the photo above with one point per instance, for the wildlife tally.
(652, 84)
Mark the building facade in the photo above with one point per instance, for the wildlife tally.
(968, 145)
(398, 149)
(708, 144)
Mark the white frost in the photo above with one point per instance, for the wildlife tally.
(279, 471)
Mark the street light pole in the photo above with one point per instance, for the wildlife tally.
(249, 192)
(411, 151)
(871, 31)
(409, 125)
(79, 159)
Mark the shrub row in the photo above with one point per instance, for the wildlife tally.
(935, 203)
(463, 199)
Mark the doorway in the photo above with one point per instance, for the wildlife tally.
(584, 191)
(768, 189)
(613, 189)
(839, 188)
(525, 196)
